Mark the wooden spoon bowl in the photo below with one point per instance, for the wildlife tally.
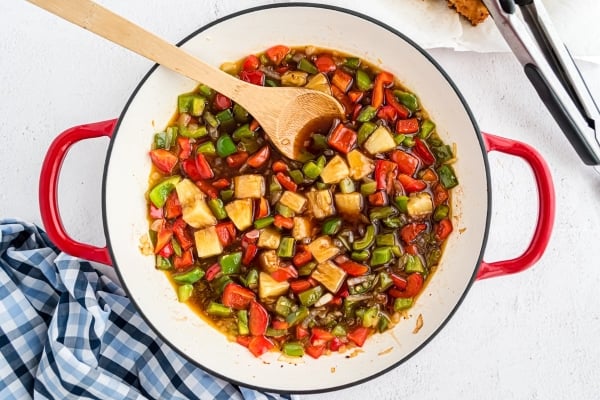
(286, 114)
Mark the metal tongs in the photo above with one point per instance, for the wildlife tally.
(550, 68)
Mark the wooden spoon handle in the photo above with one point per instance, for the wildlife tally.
(103, 22)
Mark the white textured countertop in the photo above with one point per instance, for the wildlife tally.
(532, 335)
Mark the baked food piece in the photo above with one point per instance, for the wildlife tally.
(473, 10)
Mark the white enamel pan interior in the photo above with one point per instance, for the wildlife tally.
(153, 104)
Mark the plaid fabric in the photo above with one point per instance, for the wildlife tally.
(68, 331)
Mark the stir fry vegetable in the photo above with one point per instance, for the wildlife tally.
(304, 257)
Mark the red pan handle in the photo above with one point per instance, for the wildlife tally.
(48, 191)
(546, 207)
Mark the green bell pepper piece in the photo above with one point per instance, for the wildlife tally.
(381, 212)
(414, 264)
(367, 114)
(243, 132)
(331, 226)
(207, 148)
(381, 255)
(191, 103)
(441, 212)
(307, 66)
(402, 203)
(368, 188)
(287, 247)
(295, 317)
(242, 318)
(385, 239)
(225, 146)
(447, 176)
(311, 170)
(240, 114)
(210, 119)
(310, 296)
(163, 263)
(346, 185)
(363, 81)
(264, 222)
(218, 309)
(159, 193)
(293, 349)
(231, 263)
(408, 99)
(402, 303)
(184, 292)
(284, 306)
(362, 255)
(352, 62)
(385, 281)
(191, 276)
(307, 268)
(365, 131)
(193, 133)
(367, 240)
(370, 318)
(427, 127)
(217, 208)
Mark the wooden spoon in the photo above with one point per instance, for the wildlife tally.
(287, 114)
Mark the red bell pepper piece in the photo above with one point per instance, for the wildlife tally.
(301, 332)
(409, 232)
(440, 194)
(172, 206)
(261, 208)
(254, 125)
(302, 256)
(279, 166)
(163, 238)
(356, 111)
(259, 158)
(244, 340)
(399, 281)
(336, 344)
(342, 139)
(343, 99)
(354, 268)
(411, 249)
(283, 222)
(407, 163)
(286, 182)
(258, 319)
(254, 77)
(414, 283)
(385, 173)
(355, 95)
(423, 152)
(429, 175)
(382, 80)
(443, 229)
(410, 125)
(259, 345)
(226, 232)
(325, 63)
(185, 260)
(203, 167)
(181, 233)
(236, 160)
(359, 335)
(167, 251)
(388, 113)
(164, 160)
(277, 53)
(221, 102)
(411, 184)
(379, 198)
(315, 351)
(221, 184)
(249, 254)
(251, 63)
(279, 324)
(185, 147)
(213, 271)
(237, 297)
(190, 169)
(155, 212)
(284, 273)
(400, 108)
(320, 336)
(300, 285)
(342, 80)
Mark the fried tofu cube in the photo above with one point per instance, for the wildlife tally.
(249, 186)
(320, 203)
(329, 275)
(269, 239)
(322, 248)
(302, 228)
(294, 201)
(207, 242)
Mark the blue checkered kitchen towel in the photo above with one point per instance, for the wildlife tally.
(67, 331)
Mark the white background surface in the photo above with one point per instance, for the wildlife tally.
(533, 335)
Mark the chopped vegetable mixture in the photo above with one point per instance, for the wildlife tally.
(310, 256)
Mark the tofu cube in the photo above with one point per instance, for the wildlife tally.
(249, 186)
(207, 242)
(294, 201)
(322, 249)
(195, 210)
(380, 141)
(320, 203)
(269, 239)
(329, 275)
(349, 203)
(240, 213)
(359, 164)
(302, 228)
(335, 170)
